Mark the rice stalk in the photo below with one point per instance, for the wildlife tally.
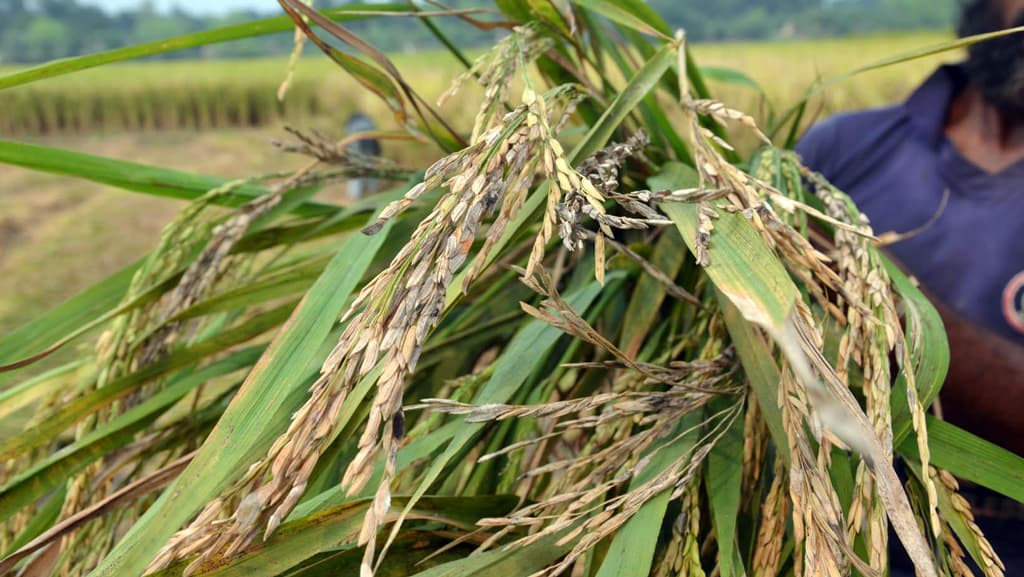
(991, 565)
(772, 529)
(293, 59)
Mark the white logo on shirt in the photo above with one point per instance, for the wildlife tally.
(1013, 302)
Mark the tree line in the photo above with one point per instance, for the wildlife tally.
(40, 30)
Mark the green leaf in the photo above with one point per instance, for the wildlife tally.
(972, 458)
(43, 518)
(634, 14)
(928, 347)
(730, 76)
(343, 221)
(658, 125)
(58, 467)
(33, 390)
(723, 481)
(645, 80)
(518, 562)
(631, 553)
(286, 282)
(149, 295)
(758, 362)
(741, 266)
(137, 177)
(206, 37)
(517, 9)
(73, 412)
(545, 10)
(761, 369)
(67, 318)
(256, 416)
(647, 298)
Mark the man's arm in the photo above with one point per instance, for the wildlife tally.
(984, 390)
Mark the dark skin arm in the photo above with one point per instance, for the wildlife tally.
(984, 390)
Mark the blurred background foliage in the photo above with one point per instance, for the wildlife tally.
(36, 31)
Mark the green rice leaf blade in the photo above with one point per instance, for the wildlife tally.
(928, 347)
(287, 282)
(137, 177)
(972, 458)
(730, 76)
(631, 553)
(31, 391)
(741, 265)
(634, 14)
(645, 80)
(58, 467)
(649, 294)
(723, 481)
(73, 412)
(520, 562)
(761, 370)
(66, 318)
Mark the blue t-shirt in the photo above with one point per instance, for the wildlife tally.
(897, 164)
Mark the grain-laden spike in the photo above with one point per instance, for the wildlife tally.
(397, 310)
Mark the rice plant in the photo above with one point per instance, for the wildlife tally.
(591, 338)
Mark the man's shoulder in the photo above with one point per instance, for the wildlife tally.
(853, 125)
(860, 135)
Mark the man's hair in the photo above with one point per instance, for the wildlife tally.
(978, 17)
(996, 66)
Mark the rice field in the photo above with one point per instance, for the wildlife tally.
(207, 95)
(198, 95)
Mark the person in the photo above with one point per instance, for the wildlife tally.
(357, 123)
(947, 167)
